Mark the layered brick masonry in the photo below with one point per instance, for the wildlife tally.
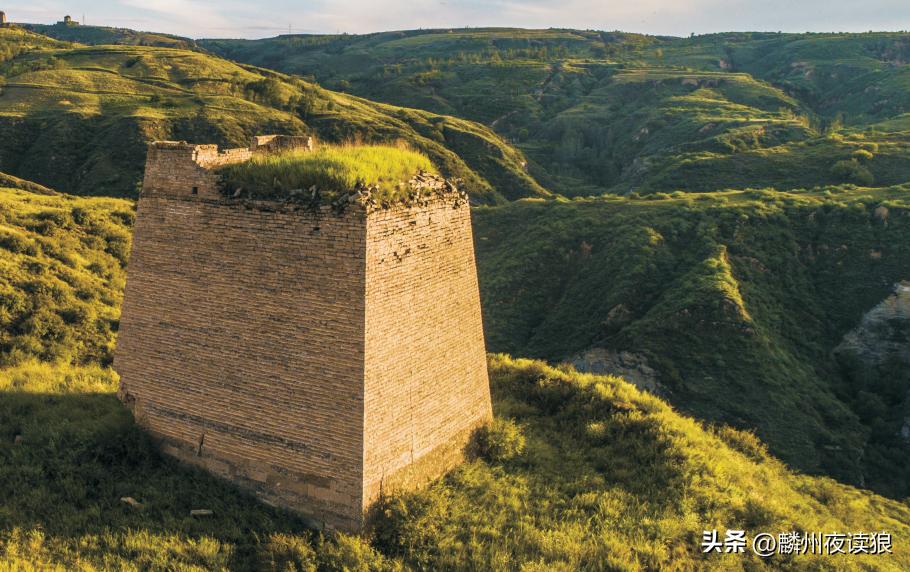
(316, 358)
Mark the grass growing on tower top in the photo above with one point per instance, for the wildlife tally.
(332, 169)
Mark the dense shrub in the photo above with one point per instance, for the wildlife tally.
(269, 91)
(499, 442)
(862, 155)
(852, 171)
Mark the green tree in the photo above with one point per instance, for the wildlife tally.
(851, 171)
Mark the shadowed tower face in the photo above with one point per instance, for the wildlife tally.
(318, 359)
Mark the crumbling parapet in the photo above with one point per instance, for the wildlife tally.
(178, 168)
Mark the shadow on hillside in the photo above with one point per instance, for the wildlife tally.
(575, 430)
(67, 459)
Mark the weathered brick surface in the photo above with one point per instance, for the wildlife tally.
(180, 169)
(242, 329)
(426, 386)
(313, 358)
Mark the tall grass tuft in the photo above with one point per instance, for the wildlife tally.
(332, 169)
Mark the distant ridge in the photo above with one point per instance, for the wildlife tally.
(96, 35)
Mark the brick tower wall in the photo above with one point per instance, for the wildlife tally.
(181, 169)
(316, 359)
(241, 347)
(426, 377)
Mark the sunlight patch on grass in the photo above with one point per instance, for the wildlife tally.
(332, 169)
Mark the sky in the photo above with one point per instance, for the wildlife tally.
(265, 18)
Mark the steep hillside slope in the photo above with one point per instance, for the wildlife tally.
(11, 182)
(598, 111)
(62, 263)
(587, 473)
(737, 299)
(861, 78)
(78, 118)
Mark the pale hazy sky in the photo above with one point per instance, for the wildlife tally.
(263, 18)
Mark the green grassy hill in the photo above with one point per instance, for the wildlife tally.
(77, 118)
(862, 78)
(15, 41)
(586, 474)
(95, 35)
(737, 299)
(61, 275)
(610, 112)
(578, 471)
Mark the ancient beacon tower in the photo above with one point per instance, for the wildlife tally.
(318, 358)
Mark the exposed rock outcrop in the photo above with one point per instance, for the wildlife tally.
(877, 351)
(884, 332)
(630, 366)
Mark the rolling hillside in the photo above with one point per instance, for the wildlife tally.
(610, 112)
(738, 303)
(736, 298)
(578, 471)
(15, 41)
(77, 118)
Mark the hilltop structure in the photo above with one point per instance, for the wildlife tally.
(3, 21)
(318, 357)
